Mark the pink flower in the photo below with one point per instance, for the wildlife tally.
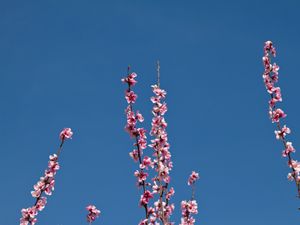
(269, 48)
(141, 176)
(159, 92)
(290, 176)
(275, 68)
(49, 186)
(277, 94)
(142, 143)
(130, 79)
(269, 85)
(139, 117)
(28, 216)
(131, 118)
(41, 203)
(187, 221)
(170, 193)
(144, 222)
(66, 133)
(277, 115)
(134, 155)
(160, 108)
(142, 133)
(188, 208)
(193, 177)
(155, 188)
(146, 163)
(266, 62)
(93, 213)
(295, 165)
(145, 198)
(288, 149)
(130, 97)
(280, 134)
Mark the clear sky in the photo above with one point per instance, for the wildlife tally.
(61, 65)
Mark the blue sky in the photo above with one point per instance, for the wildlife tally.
(61, 65)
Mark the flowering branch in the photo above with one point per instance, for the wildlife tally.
(93, 213)
(270, 77)
(139, 135)
(191, 206)
(162, 164)
(159, 143)
(45, 185)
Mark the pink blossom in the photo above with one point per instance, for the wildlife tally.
(160, 108)
(134, 155)
(155, 99)
(159, 92)
(295, 165)
(130, 97)
(170, 193)
(41, 203)
(280, 134)
(66, 133)
(188, 208)
(93, 213)
(269, 48)
(266, 62)
(159, 205)
(142, 133)
(28, 216)
(130, 79)
(275, 68)
(277, 115)
(269, 85)
(131, 130)
(288, 149)
(169, 210)
(141, 175)
(146, 163)
(155, 188)
(277, 94)
(142, 143)
(139, 117)
(145, 198)
(49, 186)
(187, 221)
(193, 177)
(290, 176)
(131, 118)
(144, 222)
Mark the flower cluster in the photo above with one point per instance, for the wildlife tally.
(139, 136)
(270, 77)
(44, 185)
(190, 207)
(193, 177)
(158, 190)
(66, 133)
(162, 162)
(93, 213)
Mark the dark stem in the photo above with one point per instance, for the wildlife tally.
(193, 191)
